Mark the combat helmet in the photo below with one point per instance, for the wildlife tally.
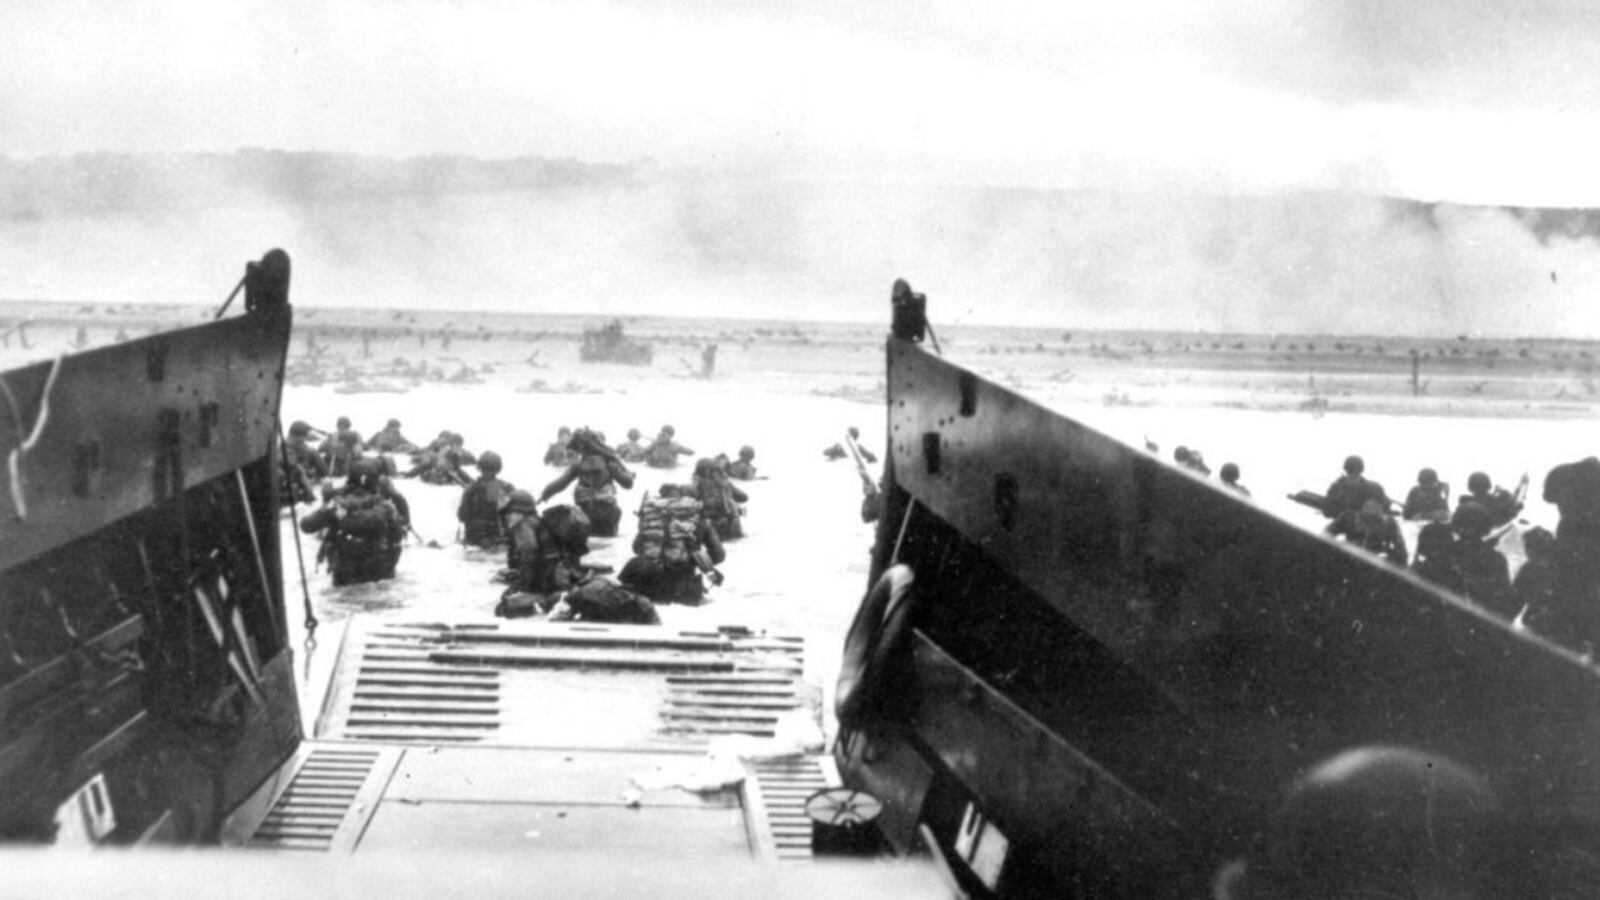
(1538, 543)
(489, 462)
(300, 428)
(1353, 465)
(1381, 821)
(747, 453)
(1471, 520)
(1478, 482)
(518, 502)
(633, 434)
(583, 439)
(364, 473)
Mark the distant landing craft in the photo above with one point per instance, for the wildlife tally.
(607, 344)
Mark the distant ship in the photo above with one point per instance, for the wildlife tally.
(608, 344)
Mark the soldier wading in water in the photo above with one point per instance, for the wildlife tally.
(364, 531)
(598, 471)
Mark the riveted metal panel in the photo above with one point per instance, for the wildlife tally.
(1194, 648)
(109, 438)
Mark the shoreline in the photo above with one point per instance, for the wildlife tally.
(392, 352)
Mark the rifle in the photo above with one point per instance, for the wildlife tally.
(584, 442)
(871, 501)
(868, 486)
(434, 545)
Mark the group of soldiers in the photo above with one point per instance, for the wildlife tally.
(1195, 461)
(676, 549)
(678, 544)
(439, 462)
(364, 522)
(1556, 592)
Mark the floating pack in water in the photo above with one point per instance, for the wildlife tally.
(598, 600)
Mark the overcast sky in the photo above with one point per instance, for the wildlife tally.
(1474, 100)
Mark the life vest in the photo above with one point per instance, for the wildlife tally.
(595, 484)
(1350, 492)
(716, 499)
(523, 544)
(343, 447)
(480, 510)
(669, 528)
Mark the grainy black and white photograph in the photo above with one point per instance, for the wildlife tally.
(688, 448)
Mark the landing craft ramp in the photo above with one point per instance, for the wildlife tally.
(515, 683)
(551, 737)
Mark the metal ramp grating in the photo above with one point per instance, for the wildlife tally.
(438, 683)
(775, 794)
(318, 801)
(739, 702)
(761, 683)
(401, 694)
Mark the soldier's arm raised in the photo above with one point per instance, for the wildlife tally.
(560, 484)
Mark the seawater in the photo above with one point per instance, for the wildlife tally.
(802, 566)
(800, 569)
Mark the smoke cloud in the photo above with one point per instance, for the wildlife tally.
(565, 237)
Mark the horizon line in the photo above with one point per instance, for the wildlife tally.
(601, 318)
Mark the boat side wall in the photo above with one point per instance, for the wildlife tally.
(96, 437)
(146, 684)
(1120, 665)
